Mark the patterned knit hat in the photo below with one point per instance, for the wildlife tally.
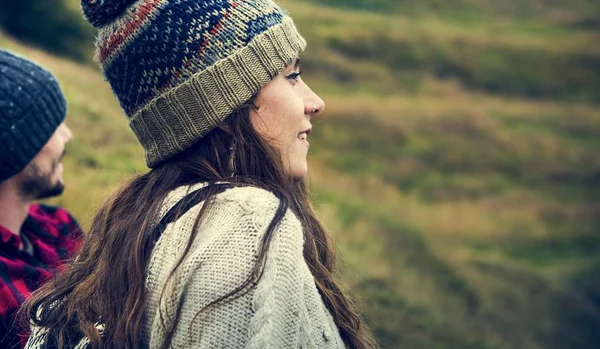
(180, 67)
(32, 106)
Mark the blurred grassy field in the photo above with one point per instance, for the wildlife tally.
(457, 164)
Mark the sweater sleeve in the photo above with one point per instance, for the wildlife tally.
(277, 302)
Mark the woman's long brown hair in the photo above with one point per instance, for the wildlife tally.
(106, 281)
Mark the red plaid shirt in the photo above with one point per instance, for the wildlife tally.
(49, 236)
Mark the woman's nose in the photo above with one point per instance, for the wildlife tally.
(314, 105)
(318, 105)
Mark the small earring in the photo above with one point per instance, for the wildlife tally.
(232, 168)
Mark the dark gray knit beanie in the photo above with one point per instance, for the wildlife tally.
(32, 106)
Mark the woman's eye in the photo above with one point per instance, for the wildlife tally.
(294, 76)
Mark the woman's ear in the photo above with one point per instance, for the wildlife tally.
(226, 127)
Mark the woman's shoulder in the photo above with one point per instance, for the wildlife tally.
(249, 198)
(248, 207)
(259, 206)
(233, 194)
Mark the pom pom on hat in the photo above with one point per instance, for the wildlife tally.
(102, 12)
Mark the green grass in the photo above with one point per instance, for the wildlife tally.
(456, 164)
(505, 56)
(556, 11)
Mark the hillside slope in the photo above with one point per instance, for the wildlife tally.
(574, 12)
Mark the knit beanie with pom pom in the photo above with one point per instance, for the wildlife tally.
(180, 67)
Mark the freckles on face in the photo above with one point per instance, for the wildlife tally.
(282, 121)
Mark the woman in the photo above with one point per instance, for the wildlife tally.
(217, 246)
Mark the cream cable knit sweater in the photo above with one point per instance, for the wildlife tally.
(284, 310)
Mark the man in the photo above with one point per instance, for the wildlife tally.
(35, 239)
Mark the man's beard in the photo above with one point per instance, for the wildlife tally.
(38, 185)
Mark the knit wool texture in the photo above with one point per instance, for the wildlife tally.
(180, 67)
(32, 106)
(283, 310)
